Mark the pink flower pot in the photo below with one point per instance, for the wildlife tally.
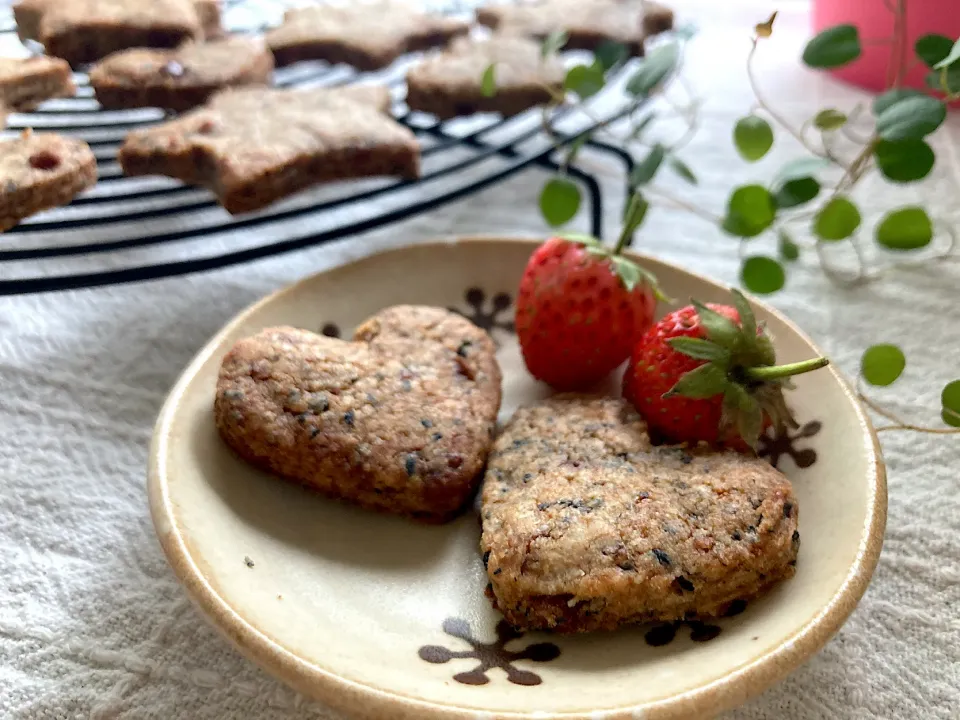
(875, 21)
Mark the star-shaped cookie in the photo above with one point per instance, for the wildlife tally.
(183, 78)
(82, 31)
(449, 83)
(367, 36)
(252, 146)
(588, 22)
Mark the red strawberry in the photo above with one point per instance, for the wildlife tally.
(708, 373)
(580, 309)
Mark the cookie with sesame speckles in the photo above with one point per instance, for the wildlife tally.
(587, 525)
(399, 420)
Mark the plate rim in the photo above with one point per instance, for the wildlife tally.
(364, 700)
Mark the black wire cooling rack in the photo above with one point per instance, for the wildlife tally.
(134, 229)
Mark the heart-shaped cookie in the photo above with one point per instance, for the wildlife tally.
(587, 525)
(399, 420)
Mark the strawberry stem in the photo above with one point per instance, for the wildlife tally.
(636, 210)
(775, 372)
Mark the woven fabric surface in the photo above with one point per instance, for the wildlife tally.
(93, 622)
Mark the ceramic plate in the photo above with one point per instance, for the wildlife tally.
(383, 618)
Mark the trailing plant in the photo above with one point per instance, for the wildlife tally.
(809, 205)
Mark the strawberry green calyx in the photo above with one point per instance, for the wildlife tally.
(630, 273)
(740, 364)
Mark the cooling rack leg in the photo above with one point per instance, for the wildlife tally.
(594, 194)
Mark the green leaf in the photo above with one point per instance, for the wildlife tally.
(647, 168)
(829, 119)
(748, 321)
(642, 125)
(488, 82)
(789, 250)
(762, 275)
(766, 353)
(904, 161)
(700, 349)
(702, 382)
(882, 364)
(681, 169)
(952, 57)
(945, 81)
(753, 137)
(627, 271)
(796, 192)
(559, 201)
(610, 54)
(950, 401)
(554, 43)
(911, 118)
(832, 48)
(585, 80)
(799, 168)
(634, 213)
(837, 220)
(908, 228)
(891, 97)
(750, 211)
(654, 69)
(931, 49)
(717, 328)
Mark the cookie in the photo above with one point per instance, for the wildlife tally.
(180, 79)
(83, 31)
(39, 171)
(26, 82)
(209, 15)
(367, 36)
(448, 84)
(28, 13)
(589, 23)
(253, 146)
(587, 525)
(399, 420)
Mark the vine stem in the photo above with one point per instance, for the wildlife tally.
(765, 106)
(683, 204)
(898, 422)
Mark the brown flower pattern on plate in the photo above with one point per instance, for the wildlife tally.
(490, 655)
(497, 317)
(775, 446)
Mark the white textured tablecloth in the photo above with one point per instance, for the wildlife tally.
(92, 621)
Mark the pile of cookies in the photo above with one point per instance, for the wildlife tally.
(252, 144)
(586, 523)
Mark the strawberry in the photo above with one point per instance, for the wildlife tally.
(708, 373)
(580, 309)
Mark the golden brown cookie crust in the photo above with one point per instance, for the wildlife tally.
(448, 84)
(398, 421)
(84, 31)
(180, 79)
(39, 171)
(252, 146)
(26, 82)
(587, 525)
(589, 23)
(368, 36)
